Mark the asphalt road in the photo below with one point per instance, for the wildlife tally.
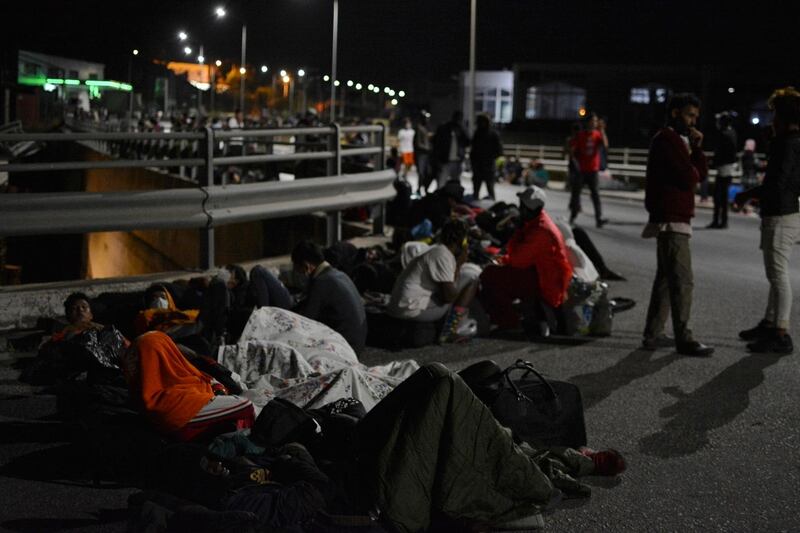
(712, 443)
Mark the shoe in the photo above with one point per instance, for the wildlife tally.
(654, 343)
(723, 226)
(451, 326)
(610, 275)
(772, 344)
(526, 523)
(606, 462)
(763, 329)
(694, 349)
(601, 222)
(713, 225)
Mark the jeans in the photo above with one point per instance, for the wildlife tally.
(721, 187)
(778, 235)
(589, 179)
(672, 288)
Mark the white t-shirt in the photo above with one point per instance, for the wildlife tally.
(419, 280)
(405, 139)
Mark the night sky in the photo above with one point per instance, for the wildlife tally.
(395, 41)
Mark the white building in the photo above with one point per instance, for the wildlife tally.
(494, 94)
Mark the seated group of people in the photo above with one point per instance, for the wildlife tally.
(429, 455)
(412, 458)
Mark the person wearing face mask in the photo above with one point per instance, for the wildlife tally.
(535, 269)
(330, 296)
(675, 165)
(161, 314)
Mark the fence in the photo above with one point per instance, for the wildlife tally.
(208, 204)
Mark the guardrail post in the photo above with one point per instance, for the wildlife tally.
(334, 228)
(207, 233)
(333, 231)
(626, 152)
(379, 215)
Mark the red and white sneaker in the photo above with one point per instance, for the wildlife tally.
(606, 462)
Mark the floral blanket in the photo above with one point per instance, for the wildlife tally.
(286, 355)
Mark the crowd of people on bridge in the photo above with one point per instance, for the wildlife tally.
(255, 377)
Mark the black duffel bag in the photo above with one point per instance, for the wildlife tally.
(539, 411)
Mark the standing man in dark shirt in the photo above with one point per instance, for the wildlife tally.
(449, 148)
(725, 160)
(486, 148)
(675, 165)
(422, 153)
(780, 222)
(331, 296)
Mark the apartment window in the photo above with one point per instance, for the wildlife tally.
(640, 95)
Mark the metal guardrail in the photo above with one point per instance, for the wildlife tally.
(208, 205)
(623, 162)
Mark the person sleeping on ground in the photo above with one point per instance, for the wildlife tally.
(178, 399)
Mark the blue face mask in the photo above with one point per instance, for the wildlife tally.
(159, 303)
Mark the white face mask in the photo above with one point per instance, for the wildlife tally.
(159, 303)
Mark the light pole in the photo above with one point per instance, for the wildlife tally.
(302, 75)
(333, 59)
(471, 92)
(130, 81)
(220, 12)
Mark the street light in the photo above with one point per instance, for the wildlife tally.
(264, 68)
(182, 35)
(349, 83)
(301, 73)
(218, 63)
(326, 78)
(220, 12)
(135, 52)
(187, 50)
(394, 101)
(201, 59)
(358, 86)
(401, 94)
(283, 73)
(333, 59)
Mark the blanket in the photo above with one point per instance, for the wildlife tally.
(281, 354)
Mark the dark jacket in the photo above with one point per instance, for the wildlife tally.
(672, 174)
(333, 299)
(778, 192)
(725, 154)
(486, 148)
(441, 141)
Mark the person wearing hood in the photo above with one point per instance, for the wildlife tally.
(535, 269)
(161, 314)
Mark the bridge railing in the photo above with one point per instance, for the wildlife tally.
(623, 162)
(208, 204)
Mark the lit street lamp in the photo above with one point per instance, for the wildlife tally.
(221, 13)
(182, 35)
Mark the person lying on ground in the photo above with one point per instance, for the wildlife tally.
(179, 400)
(161, 314)
(78, 313)
(330, 296)
(431, 286)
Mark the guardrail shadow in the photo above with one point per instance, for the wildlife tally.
(711, 406)
(597, 386)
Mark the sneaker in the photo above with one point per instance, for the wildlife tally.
(772, 344)
(601, 222)
(694, 349)
(654, 343)
(606, 462)
(763, 329)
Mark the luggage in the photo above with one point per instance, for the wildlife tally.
(539, 411)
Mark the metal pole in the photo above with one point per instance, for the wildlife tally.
(241, 85)
(333, 60)
(471, 92)
(130, 97)
(379, 216)
(207, 234)
(212, 75)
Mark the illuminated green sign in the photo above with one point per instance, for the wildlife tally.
(93, 85)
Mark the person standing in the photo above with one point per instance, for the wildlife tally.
(422, 152)
(405, 141)
(486, 148)
(449, 147)
(586, 146)
(675, 164)
(725, 159)
(780, 222)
